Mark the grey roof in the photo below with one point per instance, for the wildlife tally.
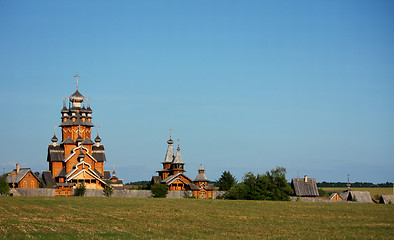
(178, 157)
(87, 141)
(55, 154)
(79, 138)
(78, 121)
(387, 199)
(21, 174)
(98, 173)
(169, 154)
(89, 110)
(193, 187)
(97, 139)
(156, 179)
(48, 179)
(64, 110)
(68, 140)
(98, 153)
(304, 189)
(201, 178)
(76, 96)
(360, 196)
(107, 174)
(62, 173)
(54, 138)
(344, 195)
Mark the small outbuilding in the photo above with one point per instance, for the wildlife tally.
(335, 197)
(304, 187)
(22, 178)
(360, 196)
(387, 199)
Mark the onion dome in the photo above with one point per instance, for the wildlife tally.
(81, 154)
(64, 110)
(89, 110)
(54, 139)
(76, 97)
(97, 139)
(79, 139)
(170, 141)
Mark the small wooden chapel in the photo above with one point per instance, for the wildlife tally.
(173, 175)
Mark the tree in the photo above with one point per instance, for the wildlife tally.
(226, 181)
(80, 190)
(269, 186)
(159, 190)
(108, 189)
(4, 186)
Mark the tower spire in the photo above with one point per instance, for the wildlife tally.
(77, 76)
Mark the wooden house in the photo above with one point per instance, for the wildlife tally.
(304, 187)
(360, 196)
(76, 159)
(22, 178)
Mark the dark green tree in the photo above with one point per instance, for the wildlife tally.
(108, 189)
(159, 190)
(226, 181)
(269, 186)
(4, 186)
(80, 189)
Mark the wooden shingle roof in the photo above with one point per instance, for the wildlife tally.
(304, 188)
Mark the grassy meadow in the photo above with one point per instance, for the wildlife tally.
(131, 218)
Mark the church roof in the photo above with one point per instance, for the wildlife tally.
(98, 173)
(87, 141)
(55, 154)
(107, 174)
(98, 153)
(78, 121)
(68, 140)
(168, 180)
(178, 157)
(76, 96)
(201, 178)
(48, 179)
(170, 153)
(62, 173)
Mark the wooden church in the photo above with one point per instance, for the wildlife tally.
(76, 159)
(173, 175)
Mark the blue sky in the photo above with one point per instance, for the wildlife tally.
(246, 85)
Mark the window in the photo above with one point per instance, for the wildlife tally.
(24, 184)
(32, 184)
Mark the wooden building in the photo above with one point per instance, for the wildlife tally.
(77, 158)
(335, 197)
(304, 187)
(22, 178)
(173, 175)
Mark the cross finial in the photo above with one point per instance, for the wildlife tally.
(170, 132)
(54, 130)
(88, 101)
(64, 101)
(97, 127)
(77, 76)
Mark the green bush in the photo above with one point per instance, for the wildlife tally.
(80, 190)
(108, 189)
(159, 190)
(323, 193)
(4, 186)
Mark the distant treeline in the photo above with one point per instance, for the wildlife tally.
(355, 184)
(139, 183)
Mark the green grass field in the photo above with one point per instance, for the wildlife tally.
(128, 218)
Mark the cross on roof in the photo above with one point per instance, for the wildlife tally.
(170, 132)
(77, 76)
